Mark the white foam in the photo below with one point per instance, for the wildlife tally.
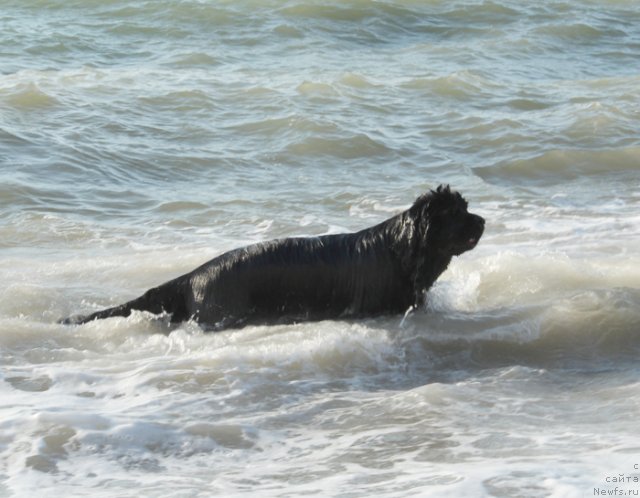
(372, 405)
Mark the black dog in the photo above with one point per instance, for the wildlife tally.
(385, 269)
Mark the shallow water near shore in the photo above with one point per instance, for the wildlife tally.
(141, 139)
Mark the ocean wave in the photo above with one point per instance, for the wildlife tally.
(461, 85)
(551, 167)
(592, 330)
(579, 32)
(586, 329)
(27, 97)
(191, 101)
(354, 147)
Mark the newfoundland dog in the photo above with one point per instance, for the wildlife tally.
(384, 269)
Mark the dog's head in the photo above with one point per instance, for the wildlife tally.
(444, 224)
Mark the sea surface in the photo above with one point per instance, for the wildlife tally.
(139, 139)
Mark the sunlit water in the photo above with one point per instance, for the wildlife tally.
(140, 139)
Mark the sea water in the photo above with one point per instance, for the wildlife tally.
(140, 139)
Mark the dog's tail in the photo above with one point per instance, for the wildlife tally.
(167, 298)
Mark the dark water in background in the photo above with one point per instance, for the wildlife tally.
(140, 139)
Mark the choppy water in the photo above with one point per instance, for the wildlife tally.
(140, 139)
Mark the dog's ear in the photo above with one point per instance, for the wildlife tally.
(443, 189)
(419, 216)
(409, 229)
(422, 224)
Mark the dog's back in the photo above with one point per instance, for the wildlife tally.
(296, 279)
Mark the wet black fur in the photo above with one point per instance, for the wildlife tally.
(384, 269)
